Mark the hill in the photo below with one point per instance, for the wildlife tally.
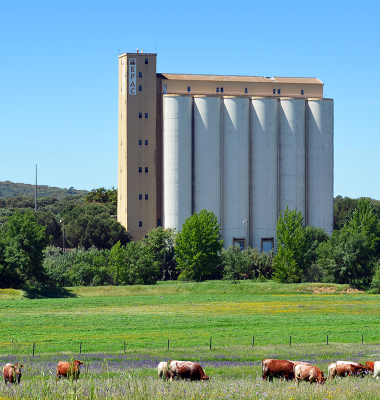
(12, 189)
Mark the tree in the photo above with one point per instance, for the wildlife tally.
(351, 253)
(160, 242)
(22, 258)
(102, 195)
(288, 263)
(198, 246)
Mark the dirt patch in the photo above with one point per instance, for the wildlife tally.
(331, 289)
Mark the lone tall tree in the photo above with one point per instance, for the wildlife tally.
(198, 246)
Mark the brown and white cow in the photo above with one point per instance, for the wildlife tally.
(68, 369)
(185, 370)
(12, 372)
(347, 368)
(370, 365)
(308, 373)
(273, 368)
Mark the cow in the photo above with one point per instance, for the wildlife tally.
(347, 368)
(68, 369)
(369, 365)
(272, 368)
(376, 369)
(308, 373)
(162, 369)
(186, 370)
(12, 372)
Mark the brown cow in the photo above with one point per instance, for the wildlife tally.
(12, 372)
(308, 373)
(370, 365)
(347, 368)
(68, 369)
(272, 368)
(186, 370)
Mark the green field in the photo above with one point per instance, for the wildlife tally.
(188, 314)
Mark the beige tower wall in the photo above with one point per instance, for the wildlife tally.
(133, 211)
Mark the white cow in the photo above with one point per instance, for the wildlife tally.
(376, 369)
(162, 369)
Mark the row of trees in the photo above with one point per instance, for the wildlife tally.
(105, 254)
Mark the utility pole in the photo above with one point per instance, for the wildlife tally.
(63, 236)
(35, 201)
(245, 221)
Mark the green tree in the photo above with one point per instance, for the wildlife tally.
(133, 264)
(198, 246)
(160, 242)
(351, 253)
(288, 263)
(102, 195)
(22, 258)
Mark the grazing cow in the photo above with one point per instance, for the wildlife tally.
(369, 365)
(186, 370)
(12, 372)
(68, 369)
(162, 369)
(277, 369)
(308, 373)
(376, 369)
(347, 368)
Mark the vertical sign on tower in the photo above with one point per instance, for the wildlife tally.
(123, 78)
(132, 76)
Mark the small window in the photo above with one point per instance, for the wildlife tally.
(165, 89)
(140, 224)
(302, 92)
(140, 74)
(239, 242)
(140, 142)
(146, 196)
(146, 115)
(159, 222)
(189, 89)
(267, 244)
(140, 115)
(140, 196)
(217, 90)
(140, 169)
(146, 61)
(221, 90)
(146, 169)
(274, 91)
(246, 90)
(146, 142)
(140, 88)
(278, 91)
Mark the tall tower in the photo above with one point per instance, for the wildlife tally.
(137, 200)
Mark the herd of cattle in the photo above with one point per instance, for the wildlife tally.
(271, 368)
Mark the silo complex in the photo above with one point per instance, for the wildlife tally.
(235, 168)
(177, 160)
(247, 159)
(320, 156)
(264, 169)
(206, 183)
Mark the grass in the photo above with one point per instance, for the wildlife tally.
(188, 314)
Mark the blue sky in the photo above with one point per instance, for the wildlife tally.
(59, 75)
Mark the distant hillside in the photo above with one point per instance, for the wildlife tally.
(12, 189)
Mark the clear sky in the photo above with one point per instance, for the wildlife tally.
(59, 75)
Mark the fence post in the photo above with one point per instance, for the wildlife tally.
(34, 345)
(362, 338)
(253, 341)
(168, 343)
(290, 340)
(210, 343)
(327, 341)
(80, 348)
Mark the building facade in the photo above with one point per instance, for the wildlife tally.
(242, 147)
